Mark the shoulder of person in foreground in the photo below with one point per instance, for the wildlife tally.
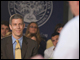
(68, 40)
(73, 22)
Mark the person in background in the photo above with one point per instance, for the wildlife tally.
(49, 43)
(70, 50)
(57, 29)
(4, 28)
(17, 46)
(68, 44)
(48, 53)
(33, 29)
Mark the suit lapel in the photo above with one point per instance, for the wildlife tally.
(24, 47)
(9, 48)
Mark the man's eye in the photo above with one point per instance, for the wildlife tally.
(20, 24)
(14, 24)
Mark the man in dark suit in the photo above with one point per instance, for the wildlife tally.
(28, 47)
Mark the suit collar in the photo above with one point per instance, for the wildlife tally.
(9, 48)
(20, 39)
(24, 47)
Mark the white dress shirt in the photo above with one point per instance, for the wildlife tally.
(48, 53)
(68, 44)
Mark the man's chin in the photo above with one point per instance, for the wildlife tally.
(18, 35)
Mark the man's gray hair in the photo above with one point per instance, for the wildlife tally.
(15, 16)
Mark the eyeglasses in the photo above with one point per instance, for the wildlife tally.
(33, 27)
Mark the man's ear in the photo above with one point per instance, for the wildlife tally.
(10, 26)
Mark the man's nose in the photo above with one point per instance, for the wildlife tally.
(18, 26)
(56, 42)
(4, 30)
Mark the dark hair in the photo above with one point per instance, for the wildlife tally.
(6, 23)
(55, 33)
(16, 16)
(58, 26)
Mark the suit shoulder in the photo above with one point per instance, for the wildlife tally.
(4, 40)
(29, 40)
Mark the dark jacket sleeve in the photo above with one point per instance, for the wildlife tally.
(2, 48)
(1, 54)
(42, 47)
(35, 49)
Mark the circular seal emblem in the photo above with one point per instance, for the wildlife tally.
(32, 11)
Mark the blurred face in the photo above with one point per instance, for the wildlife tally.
(59, 30)
(17, 27)
(33, 28)
(55, 40)
(73, 6)
(4, 30)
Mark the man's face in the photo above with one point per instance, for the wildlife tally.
(4, 30)
(17, 27)
(55, 40)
